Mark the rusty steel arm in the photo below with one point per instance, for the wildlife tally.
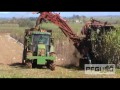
(60, 22)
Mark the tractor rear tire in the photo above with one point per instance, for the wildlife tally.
(34, 64)
(28, 64)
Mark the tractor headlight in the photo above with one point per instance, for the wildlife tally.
(41, 52)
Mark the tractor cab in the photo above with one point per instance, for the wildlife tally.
(40, 43)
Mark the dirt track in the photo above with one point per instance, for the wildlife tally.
(10, 50)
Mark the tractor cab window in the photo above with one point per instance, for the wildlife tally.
(41, 38)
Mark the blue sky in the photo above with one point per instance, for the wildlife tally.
(63, 14)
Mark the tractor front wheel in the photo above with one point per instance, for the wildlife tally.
(50, 65)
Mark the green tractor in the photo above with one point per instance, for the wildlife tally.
(38, 48)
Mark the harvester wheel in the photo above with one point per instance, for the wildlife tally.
(82, 63)
(28, 64)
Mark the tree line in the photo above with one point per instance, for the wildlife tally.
(30, 22)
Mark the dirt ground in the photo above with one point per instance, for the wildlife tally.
(10, 52)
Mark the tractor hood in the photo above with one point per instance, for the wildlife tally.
(41, 49)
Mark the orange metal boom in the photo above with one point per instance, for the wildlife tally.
(60, 22)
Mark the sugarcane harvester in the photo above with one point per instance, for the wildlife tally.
(82, 43)
(100, 28)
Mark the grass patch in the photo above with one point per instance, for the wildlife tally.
(60, 72)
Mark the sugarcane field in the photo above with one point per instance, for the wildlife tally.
(59, 45)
